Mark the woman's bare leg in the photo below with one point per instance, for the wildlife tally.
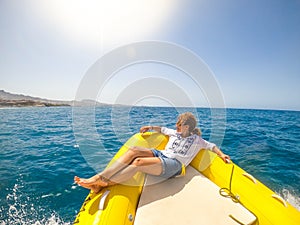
(149, 165)
(126, 159)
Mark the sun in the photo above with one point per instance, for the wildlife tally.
(105, 22)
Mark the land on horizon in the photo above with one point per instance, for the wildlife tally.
(8, 99)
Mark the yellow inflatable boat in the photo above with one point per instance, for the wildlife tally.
(211, 192)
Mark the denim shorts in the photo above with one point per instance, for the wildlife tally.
(170, 167)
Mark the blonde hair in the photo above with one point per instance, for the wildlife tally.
(188, 118)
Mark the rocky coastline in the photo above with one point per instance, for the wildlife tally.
(28, 103)
(18, 100)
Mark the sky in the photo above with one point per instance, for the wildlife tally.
(251, 49)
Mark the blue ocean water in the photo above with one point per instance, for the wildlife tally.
(41, 149)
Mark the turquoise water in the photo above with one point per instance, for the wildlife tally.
(40, 153)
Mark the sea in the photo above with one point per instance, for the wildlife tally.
(43, 148)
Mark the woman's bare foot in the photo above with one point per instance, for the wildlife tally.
(96, 189)
(94, 183)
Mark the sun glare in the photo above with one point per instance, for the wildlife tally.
(105, 22)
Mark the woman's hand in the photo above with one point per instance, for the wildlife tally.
(226, 158)
(145, 129)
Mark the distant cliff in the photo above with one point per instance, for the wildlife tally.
(17, 100)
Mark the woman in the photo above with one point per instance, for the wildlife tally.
(184, 143)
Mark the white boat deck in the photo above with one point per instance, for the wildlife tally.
(192, 199)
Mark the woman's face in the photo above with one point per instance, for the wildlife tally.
(180, 127)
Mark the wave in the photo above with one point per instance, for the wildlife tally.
(23, 211)
(291, 197)
(19, 220)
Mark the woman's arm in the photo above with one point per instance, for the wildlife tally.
(226, 158)
(147, 128)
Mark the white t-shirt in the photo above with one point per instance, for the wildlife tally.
(184, 149)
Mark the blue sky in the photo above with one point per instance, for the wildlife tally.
(252, 47)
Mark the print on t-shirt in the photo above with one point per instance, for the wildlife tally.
(182, 145)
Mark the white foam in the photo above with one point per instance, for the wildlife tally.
(53, 220)
(22, 212)
(19, 217)
(291, 197)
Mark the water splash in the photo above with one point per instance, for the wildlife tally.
(21, 211)
(291, 197)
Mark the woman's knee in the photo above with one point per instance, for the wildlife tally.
(152, 166)
(134, 151)
(137, 162)
(131, 153)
